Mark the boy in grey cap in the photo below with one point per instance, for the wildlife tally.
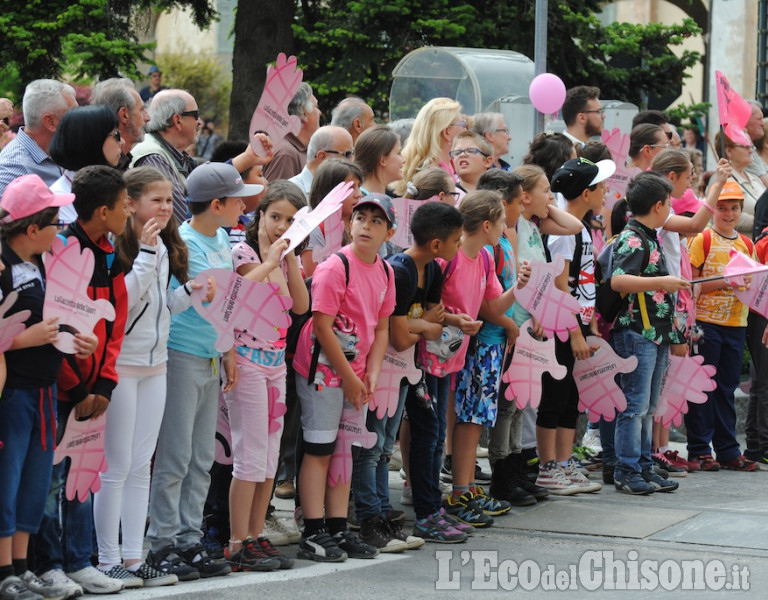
(185, 448)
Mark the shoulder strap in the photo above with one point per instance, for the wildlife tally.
(316, 347)
(706, 243)
(646, 258)
(486, 261)
(449, 269)
(748, 243)
(574, 269)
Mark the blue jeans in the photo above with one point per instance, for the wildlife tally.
(370, 471)
(715, 421)
(428, 426)
(641, 387)
(65, 543)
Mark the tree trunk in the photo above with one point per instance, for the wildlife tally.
(262, 31)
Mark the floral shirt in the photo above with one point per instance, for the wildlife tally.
(627, 260)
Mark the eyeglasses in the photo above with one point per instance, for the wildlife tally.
(502, 130)
(115, 134)
(670, 135)
(597, 110)
(461, 123)
(454, 194)
(191, 113)
(57, 224)
(468, 151)
(745, 146)
(658, 145)
(345, 153)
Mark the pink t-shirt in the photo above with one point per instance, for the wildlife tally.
(464, 292)
(370, 296)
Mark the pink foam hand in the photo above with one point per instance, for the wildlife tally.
(687, 379)
(555, 309)
(756, 294)
(253, 307)
(404, 209)
(333, 238)
(12, 326)
(396, 367)
(277, 409)
(352, 432)
(618, 145)
(733, 111)
(223, 451)
(304, 222)
(271, 114)
(83, 443)
(594, 376)
(530, 360)
(68, 273)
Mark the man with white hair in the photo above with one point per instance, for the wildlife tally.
(493, 127)
(120, 95)
(755, 130)
(291, 151)
(327, 142)
(354, 115)
(45, 102)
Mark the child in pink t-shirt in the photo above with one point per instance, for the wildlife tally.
(353, 294)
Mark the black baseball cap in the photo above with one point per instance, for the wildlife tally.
(578, 174)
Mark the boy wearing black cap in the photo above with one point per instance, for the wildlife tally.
(582, 184)
(185, 448)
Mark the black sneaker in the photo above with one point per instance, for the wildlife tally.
(659, 483)
(446, 471)
(250, 558)
(170, 560)
(320, 547)
(481, 476)
(351, 543)
(286, 562)
(197, 557)
(374, 533)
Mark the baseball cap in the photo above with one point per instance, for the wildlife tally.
(687, 203)
(154, 69)
(578, 174)
(218, 180)
(28, 195)
(731, 191)
(384, 202)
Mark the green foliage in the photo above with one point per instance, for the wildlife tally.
(203, 76)
(684, 114)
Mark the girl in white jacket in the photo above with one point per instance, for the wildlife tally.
(151, 250)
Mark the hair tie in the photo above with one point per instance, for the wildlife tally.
(411, 189)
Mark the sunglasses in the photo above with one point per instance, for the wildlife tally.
(345, 154)
(116, 134)
(461, 123)
(191, 113)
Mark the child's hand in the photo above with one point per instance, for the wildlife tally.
(266, 143)
(94, 405)
(537, 328)
(274, 253)
(724, 171)
(44, 332)
(231, 372)
(679, 349)
(86, 344)
(670, 283)
(468, 325)
(523, 274)
(580, 348)
(513, 331)
(435, 314)
(149, 232)
(210, 293)
(355, 391)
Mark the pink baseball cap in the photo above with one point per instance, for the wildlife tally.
(28, 195)
(687, 203)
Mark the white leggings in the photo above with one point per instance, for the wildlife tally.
(133, 424)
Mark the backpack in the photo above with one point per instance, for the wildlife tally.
(609, 302)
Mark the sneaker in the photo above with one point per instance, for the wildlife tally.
(154, 578)
(49, 591)
(403, 475)
(672, 469)
(531, 467)
(491, 506)
(740, 463)
(320, 547)
(759, 457)
(396, 529)
(169, 561)
(481, 452)
(396, 460)
(706, 462)
(576, 477)
(455, 523)
(482, 476)
(285, 490)
(591, 440)
(352, 523)
(445, 487)
(675, 435)
(94, 581)
(674, 457)
(197, 557)
(659, 483)
(446, 471)
(250, 557)
(13, 588)
(552, 478)
(281, 532)
(128, 579)
(587, 458)
(58, 578)
(396, 516)
(375, 532)
(437, 529)
(406, 497)
(286, 562)
(465, 509)
(351, 543)
(634, 484)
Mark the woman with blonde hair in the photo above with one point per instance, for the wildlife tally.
(438, 122)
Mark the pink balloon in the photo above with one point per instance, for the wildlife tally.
(547, 93)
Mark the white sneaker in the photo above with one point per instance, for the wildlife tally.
(552, 477)
(96, 582)
(576, 477)
(280, 532)
(591, 440)
(406, 498)
(57, 577)
(396, 460)
(129, 580)
(49, 591)
(446, 488)
(481, 452)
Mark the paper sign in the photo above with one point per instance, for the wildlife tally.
(223, 454)
(396, 366)
(83, 443)
(618, 145)
(253, 307)
(271, 114)
(333, 238)
(404, 209)
(530, 360)
(305, 220)
(68, 273)
(733, 110)
(12, 326)
(686, 380)
(598, 392)
(756, 295)
(352, 432)
(554, 308)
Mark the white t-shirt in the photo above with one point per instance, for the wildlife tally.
(565, 245)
